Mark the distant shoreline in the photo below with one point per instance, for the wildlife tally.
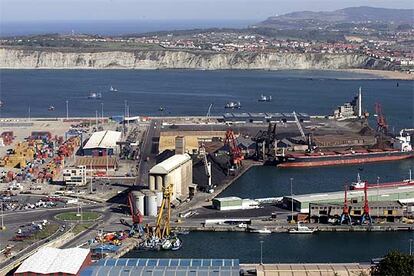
(381, 74)
(369, 73)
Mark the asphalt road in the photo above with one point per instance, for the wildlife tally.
(144, 165)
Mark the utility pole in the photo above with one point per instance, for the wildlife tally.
(67, 109)
(261, 252)
(2, 217)
(291, 196)
(96, 118)
(411, 252)
(102, 114)
(29, 113)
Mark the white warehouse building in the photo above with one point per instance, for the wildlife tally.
(102, 143)
(176, 170)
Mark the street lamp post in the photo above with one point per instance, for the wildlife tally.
(2, 217)
(261, 252)
(411, 252)
(291, 196)
(67, 109)
(102, 113)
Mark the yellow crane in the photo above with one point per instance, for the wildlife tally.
(163, 229)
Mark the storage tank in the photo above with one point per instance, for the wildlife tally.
(150, 204)
(139, 201)
(159, 198)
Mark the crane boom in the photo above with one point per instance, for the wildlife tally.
(302, 133)
(209, 111)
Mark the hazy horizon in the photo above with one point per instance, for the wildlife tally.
(124, 10)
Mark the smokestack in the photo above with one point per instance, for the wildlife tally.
(360, 103)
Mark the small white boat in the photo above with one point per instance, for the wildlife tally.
(264, 98)
(166, 244)
(94, 96)
(176, 245)
(302, 230)
(112, 89)
(233, 105)
(261, 231)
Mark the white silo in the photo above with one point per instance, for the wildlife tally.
(150, 204)
(139, 201)
(159, 197)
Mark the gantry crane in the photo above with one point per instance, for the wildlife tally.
(136, 215)
(345, 217)
(382, 126)
(235, 152)
(366, 217)
(163, 228)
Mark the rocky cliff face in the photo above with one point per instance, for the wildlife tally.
(30, 59)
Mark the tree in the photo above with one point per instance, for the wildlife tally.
(395, 264)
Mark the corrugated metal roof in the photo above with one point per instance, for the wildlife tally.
(164, 267)
(50, 260)
(103, 139)
(170, 164)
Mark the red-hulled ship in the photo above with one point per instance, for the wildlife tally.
(402, 150)
(360, 185)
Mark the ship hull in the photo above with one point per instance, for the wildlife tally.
(339, 160)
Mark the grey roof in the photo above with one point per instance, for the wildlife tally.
(164, 267)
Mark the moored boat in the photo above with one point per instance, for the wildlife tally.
(261, 231)
(360, 185)
(301, 229)
(402, 150)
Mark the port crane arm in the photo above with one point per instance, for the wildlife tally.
(302, 133)
(136, 215)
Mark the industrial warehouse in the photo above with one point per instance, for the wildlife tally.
(301, 203)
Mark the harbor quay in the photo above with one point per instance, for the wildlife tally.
(121, 184)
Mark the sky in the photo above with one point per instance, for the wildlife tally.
(75, 10)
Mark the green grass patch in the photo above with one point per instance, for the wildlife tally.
(46, 232)
(74, 216)
(81, 227)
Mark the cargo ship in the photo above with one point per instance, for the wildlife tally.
(402, 149)
(360, 185)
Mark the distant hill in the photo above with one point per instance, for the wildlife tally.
(348, 15)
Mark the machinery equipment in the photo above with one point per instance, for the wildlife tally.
(162, 229)
(137, 217)
(266, 144)
(307, 139)
(382, 126)
(366, 217)
(207, 164)
(235, 152)
(345, 217)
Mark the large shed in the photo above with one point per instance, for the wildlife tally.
(164, 267)
(102, 143)
(54, 261)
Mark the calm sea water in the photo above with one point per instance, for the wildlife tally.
(268, 181)
(189, 92)
(285, 248)
(186, 92)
